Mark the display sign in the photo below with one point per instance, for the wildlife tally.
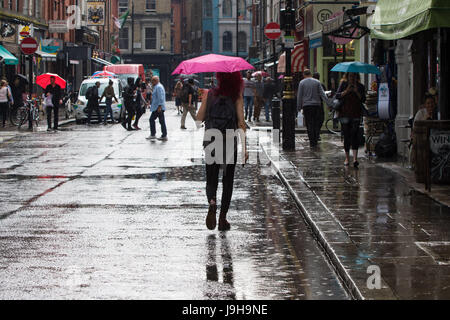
(315, 40)
(24, 31)
(95, 13)
(316, 14)
(51, 45)
(28, 45)
(440, 156)
(289, 42)
(58, 26)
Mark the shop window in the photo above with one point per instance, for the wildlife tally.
(150, 38)
(123, 39)
(328, 48)
(242, 41)
(208, 41)
(150, 5)
(123, 6)
(227, 8)
(208, 9)
(227, 41)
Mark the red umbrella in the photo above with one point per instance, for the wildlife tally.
(44, 80)
(262, 73)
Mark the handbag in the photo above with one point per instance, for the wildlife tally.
(300, 119)
(361, 137)
(337, 104)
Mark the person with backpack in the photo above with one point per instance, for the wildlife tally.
(352, 94)
(129, 93)
(139, 103)
(177, 95)
(187, 101)
(222, 110)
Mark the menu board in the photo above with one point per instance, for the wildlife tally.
(440, 156)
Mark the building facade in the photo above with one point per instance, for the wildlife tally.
(146, 37)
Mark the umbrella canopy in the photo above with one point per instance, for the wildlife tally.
(44, 80)
(22, 78)
(356, 67)
(262, 73)
(103, 74)
(212, 63)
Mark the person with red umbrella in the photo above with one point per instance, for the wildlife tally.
(55, 91)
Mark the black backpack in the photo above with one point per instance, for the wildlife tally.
(221, 113)
(185, 91)
(89, 93)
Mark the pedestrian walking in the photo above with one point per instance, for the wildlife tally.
(56, 93)
(268, 92)
(129, 94)
(109, 94)
(249, 96)
(5, 99)
(187, 101)
(352, 95)
(17, 91)
(259, 99)
(177, 95)
(93, 99)
(310, 95)
(139, 103)
(158, 107)
(222, 109)
(321, 116)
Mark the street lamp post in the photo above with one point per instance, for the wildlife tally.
(289, 105)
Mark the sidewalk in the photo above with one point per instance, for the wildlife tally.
(372, 217)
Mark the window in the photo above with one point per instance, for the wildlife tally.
(242, 9)
(123, 39)
(37, 7)
(227, 8)
(150, 38)
(208, 41)
(208, 8)
(242, 41)
(150, 5)
(123, 6)
(227, 41)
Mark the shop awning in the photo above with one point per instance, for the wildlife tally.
(7, 57)
(297, 59)
(401, 18)
(103, 62)
(46, 56)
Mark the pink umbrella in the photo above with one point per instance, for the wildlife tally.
(212, 63)
(262, 73)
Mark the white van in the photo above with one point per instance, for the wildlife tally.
(80, 106)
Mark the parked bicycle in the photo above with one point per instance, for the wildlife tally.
(20, 115)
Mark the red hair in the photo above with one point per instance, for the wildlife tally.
(229, 85)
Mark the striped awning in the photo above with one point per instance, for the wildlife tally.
(297, 59)
(46, 56)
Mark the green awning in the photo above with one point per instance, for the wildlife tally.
(7, 57)
(401, 18)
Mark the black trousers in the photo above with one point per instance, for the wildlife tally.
(139, 113)
(91, 107)
(320, 119)
(312, 114)
(4, 111)
(130, 114)
(55, 110)
(212, 182)
(350, 132)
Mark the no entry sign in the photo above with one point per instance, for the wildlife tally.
(28, 45)
(272, 31)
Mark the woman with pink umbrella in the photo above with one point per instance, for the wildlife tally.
(222, 109)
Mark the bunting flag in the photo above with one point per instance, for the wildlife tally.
(120, 22)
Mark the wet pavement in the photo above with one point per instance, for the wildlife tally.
(101, 213)
(370, 219)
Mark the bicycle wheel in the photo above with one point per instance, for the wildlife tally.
(18, 116)
(333, 126)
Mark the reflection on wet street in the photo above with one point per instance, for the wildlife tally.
(101, 213)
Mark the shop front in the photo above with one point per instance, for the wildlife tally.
(417, 31)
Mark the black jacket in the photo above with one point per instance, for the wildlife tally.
(56, 91)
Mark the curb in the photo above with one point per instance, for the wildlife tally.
(342, 272)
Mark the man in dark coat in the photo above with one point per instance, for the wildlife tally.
(129, 97)
(92, 105)
(56, 92)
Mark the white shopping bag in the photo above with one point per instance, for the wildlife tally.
(300, 121)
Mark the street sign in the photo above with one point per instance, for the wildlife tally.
(272, 31)
(289, 42)
(28, 46)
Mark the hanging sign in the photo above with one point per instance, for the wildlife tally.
(96, 13)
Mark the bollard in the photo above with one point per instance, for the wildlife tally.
(276, 113)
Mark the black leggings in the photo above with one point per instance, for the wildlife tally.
(4, 111)
(350, 131)
(212, 182)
